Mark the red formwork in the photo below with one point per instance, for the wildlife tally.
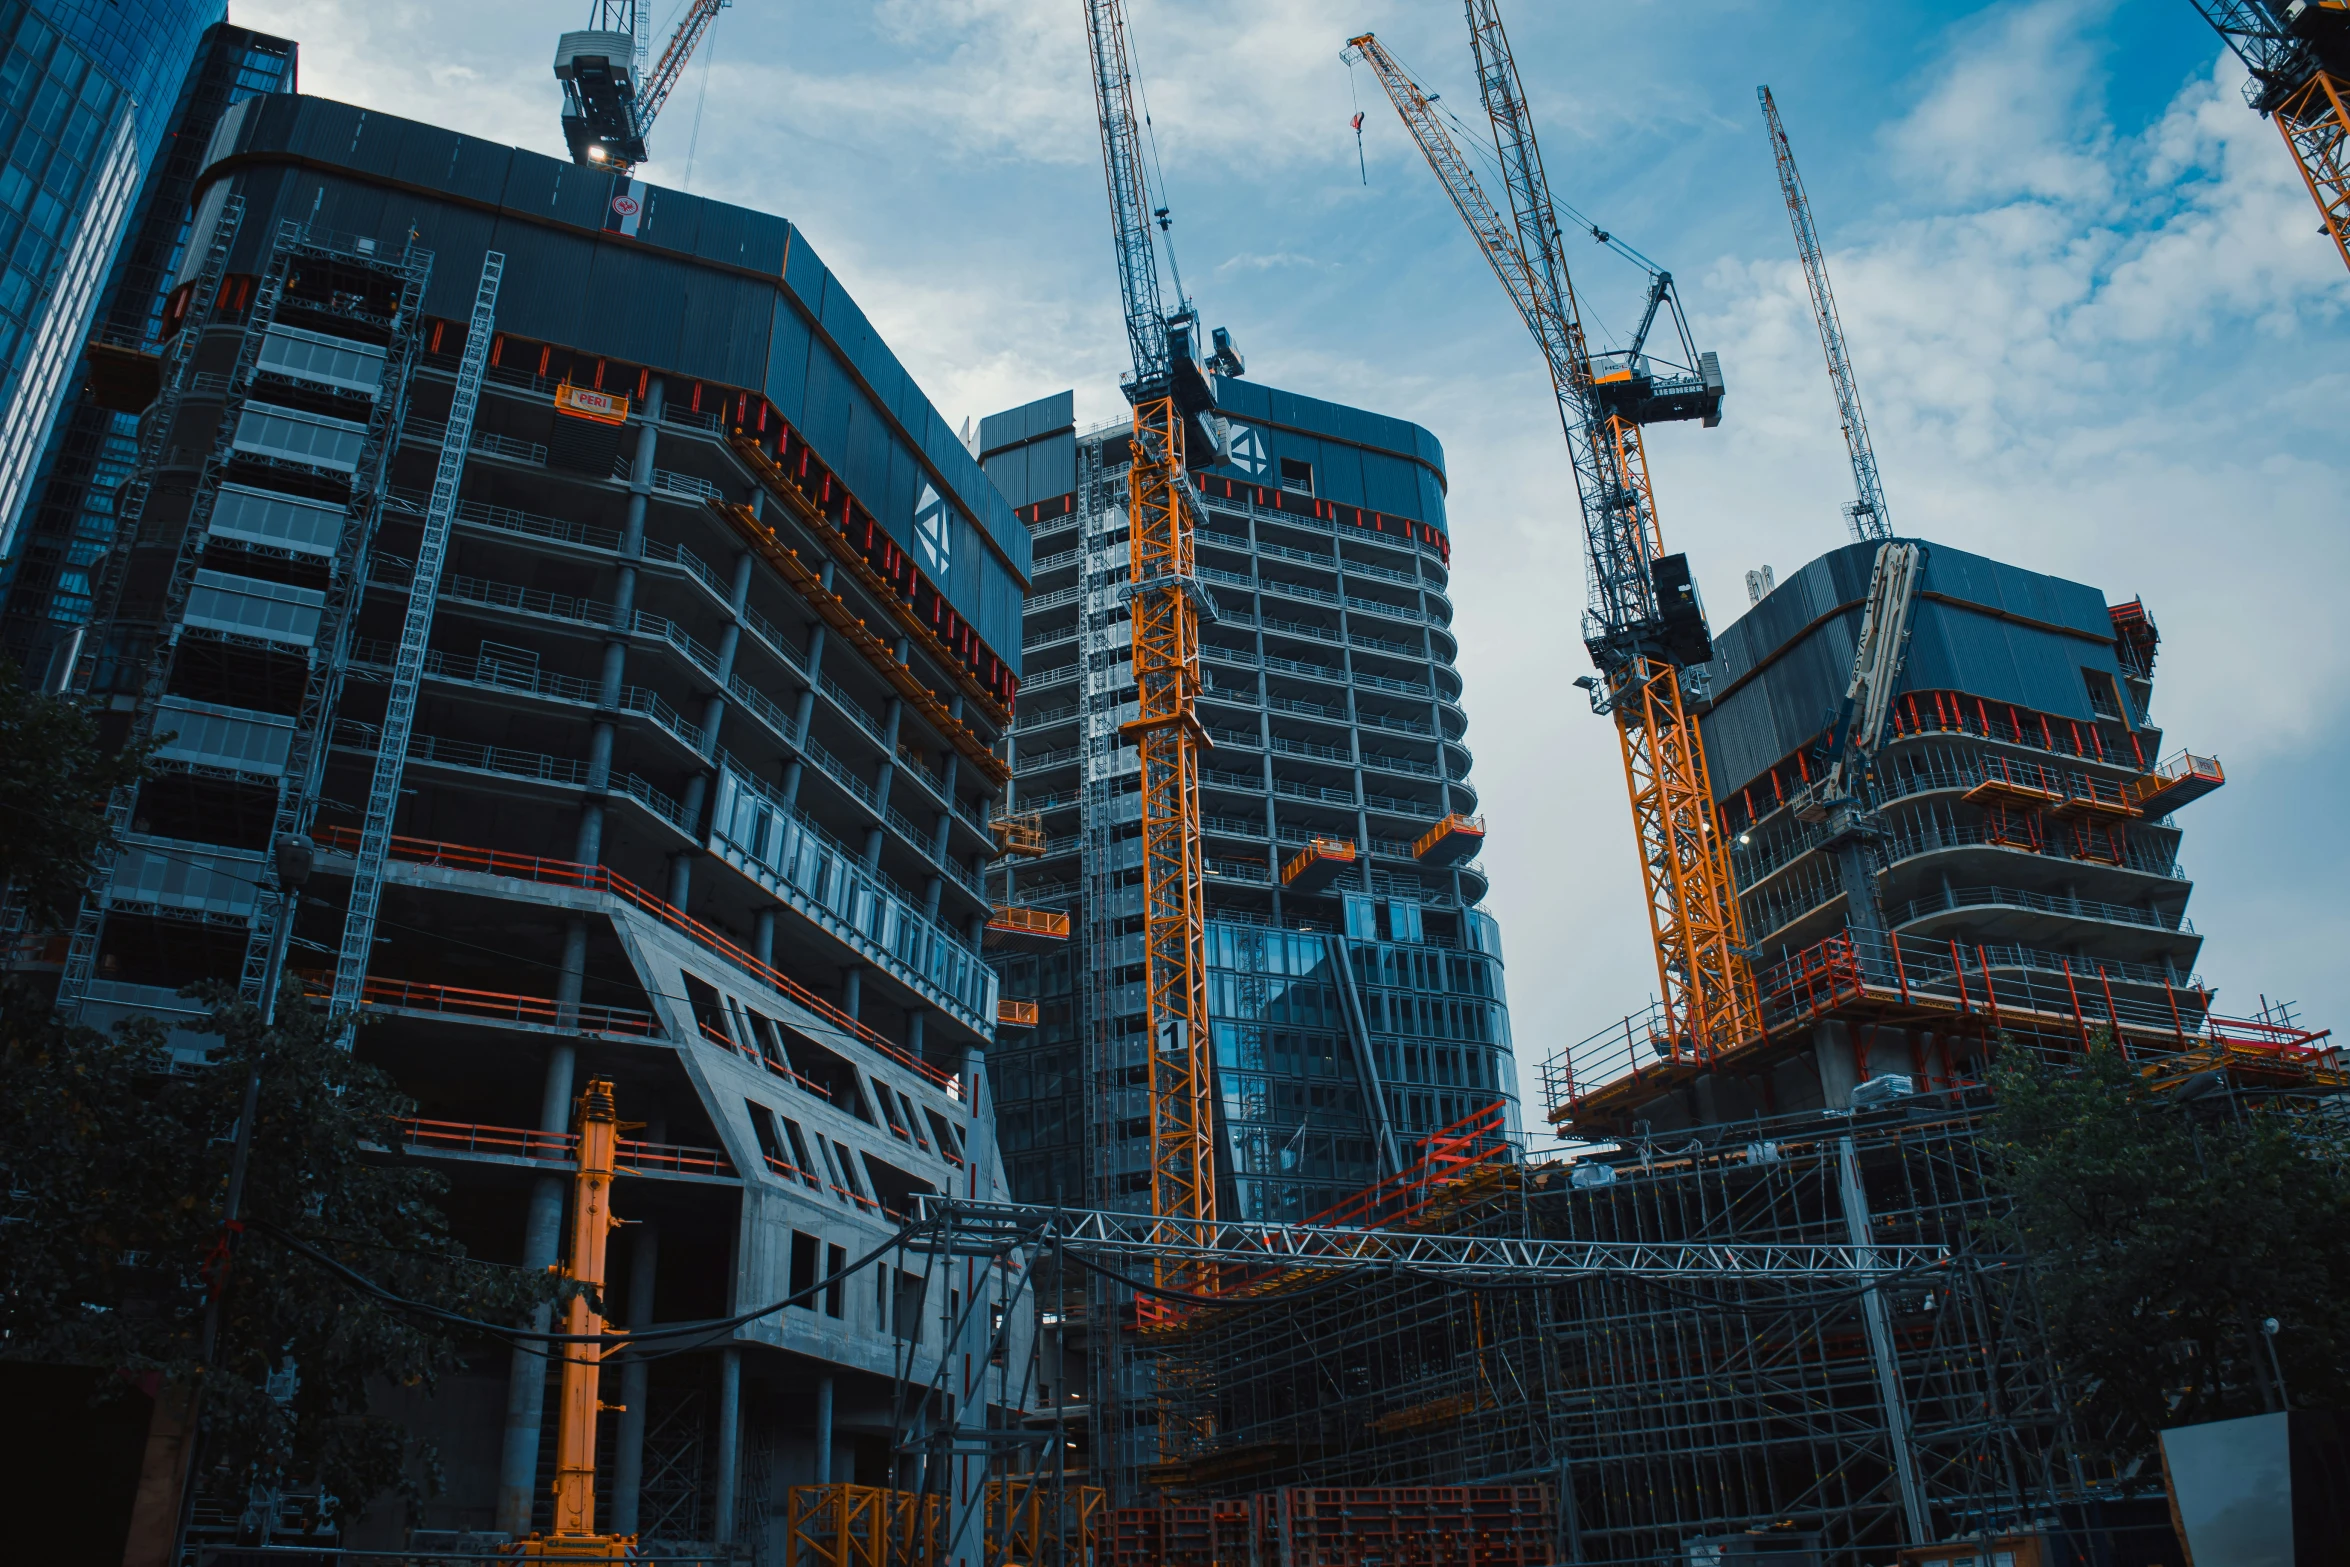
(1346, 1526)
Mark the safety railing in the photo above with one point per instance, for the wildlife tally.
(515, 1142)
(412, 995)
(2040, 903)
(2019, 990)
(597, 878)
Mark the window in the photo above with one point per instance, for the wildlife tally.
(799, 1152)
(835, 1259)
(1297, 477)
(770, 1043)
(2105, 698)
(708, 1011)
(803, 1268)
(848, 1175)
(944, 1131)
(906, 1312)
(763, 1128)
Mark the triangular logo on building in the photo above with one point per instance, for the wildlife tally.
(934, 530)
(1249, 454)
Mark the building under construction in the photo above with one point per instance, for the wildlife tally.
(570, 560)
(2008, 881)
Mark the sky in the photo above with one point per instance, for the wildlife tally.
(2096, 329)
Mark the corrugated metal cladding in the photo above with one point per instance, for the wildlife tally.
(1359, 458)
(1031, 451)
(1980, 626)
(703, 290)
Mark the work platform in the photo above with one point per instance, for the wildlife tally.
(1318, 865)
(1011, 929)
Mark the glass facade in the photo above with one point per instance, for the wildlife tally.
(1355, 987)
(66, 520)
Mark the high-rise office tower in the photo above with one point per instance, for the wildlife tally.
(572, 561)
(1355, 984)
(88, 90)
(67, 517)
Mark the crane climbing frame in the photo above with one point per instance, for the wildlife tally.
(1643, 625)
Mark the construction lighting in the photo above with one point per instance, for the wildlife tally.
(597, 154)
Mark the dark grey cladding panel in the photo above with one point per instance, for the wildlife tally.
(650, 298)
(737, 236)
(1031, 451)
(1359, 458)
(1992, 630)
(1037, 470)
(1027, 422)
(439, 159)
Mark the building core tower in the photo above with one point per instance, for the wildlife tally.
(1355, 984)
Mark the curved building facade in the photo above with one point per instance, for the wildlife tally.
(1356, 984)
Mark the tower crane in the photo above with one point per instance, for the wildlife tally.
(1645, 624)
(2298, 52)
(1175, 425)
(1868, 514)
(609, 99)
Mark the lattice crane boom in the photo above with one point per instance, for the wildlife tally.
(1868, 513)
(1644, 623)
(2298, 52)
(1173, 411)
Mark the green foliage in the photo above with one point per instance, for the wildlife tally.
(2163, 1233)
(117, 1167)
(54, 781)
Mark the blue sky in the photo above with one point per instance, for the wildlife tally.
(2096, 330)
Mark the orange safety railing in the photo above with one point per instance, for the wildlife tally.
(2183, 768)
(557, 1147)
(1474, 826)
(597, 878)
(1339, 849)
(1476, 1138)
(1030, 922)
(1015, 1014)
(542, 1011)
(1023, 834)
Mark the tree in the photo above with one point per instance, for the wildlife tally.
(116, 1166)
(2164, 1232)
(54, 780)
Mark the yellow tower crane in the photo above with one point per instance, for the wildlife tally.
(1645, 624)
(1175, 428)
(2298, 52)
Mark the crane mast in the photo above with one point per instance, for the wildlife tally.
(1869, 517)
(1644, 623)
(2298, 52)
(609, 99)
(1173, 414)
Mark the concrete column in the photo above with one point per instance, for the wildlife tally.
(628, 1448)
(571, 979)
(852, 991)
(933, 887)
(824, 1430)
(914, 1016)
(526, 1380)
(763, 936)
(1839, 1072)
(730, 1430)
